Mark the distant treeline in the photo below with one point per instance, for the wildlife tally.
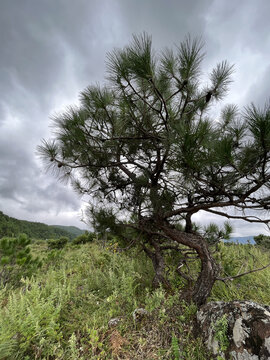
(13, 227)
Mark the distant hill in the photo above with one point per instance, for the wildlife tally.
(12, 227)
(242, 239)
(71, 229)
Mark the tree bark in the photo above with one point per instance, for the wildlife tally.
(209, 269)
(206, 279)
(159, 267)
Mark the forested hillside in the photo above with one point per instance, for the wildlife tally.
(73, 230)
(12, 227)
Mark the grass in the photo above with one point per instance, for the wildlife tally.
(236, 259)
(62, 311)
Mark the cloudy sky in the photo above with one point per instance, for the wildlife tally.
(50, 50)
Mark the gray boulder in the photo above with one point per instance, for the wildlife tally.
(238, 330)
(114, 322)
(139, 314)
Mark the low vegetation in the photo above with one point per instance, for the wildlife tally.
(16, 260)
(60, 309)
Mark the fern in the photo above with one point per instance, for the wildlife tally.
(175, 348)
(7, 348)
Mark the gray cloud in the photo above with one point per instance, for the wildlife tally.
(240, 32)
(259, 90)
(51, 50)
(169, 21)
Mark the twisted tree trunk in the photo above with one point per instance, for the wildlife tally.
(209, 269)
(206, 279)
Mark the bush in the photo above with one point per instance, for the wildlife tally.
(16, 259)
(262, 240)
(84, 238)
(57, 243)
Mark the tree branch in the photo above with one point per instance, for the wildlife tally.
(245, 273)
(245, 218)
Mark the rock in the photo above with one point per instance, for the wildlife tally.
(139, 314)
(114, 322)
(237, 330)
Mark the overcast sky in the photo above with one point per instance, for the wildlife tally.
(50, 50)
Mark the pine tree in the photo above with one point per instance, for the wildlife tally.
(147, 152)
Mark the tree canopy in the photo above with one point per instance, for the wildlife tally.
(146, 150)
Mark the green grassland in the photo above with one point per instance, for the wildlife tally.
(60, 308)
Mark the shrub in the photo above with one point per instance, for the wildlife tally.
(16, 259)
(57, 243)
(84, 238)
(262, 240)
